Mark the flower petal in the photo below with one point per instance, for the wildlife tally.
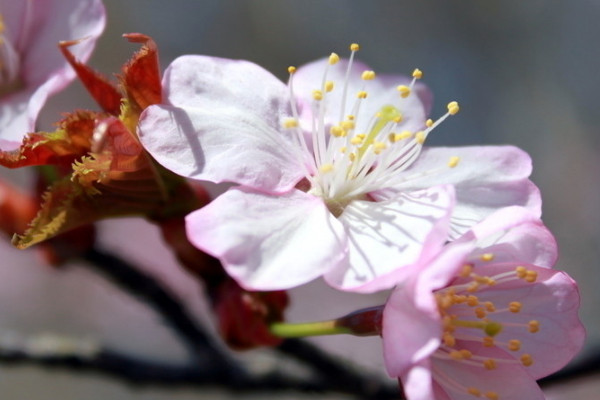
(553, 301)
(269, 242)
(486, 178)
(220, 144)
(514, 233)
(508, 381)
(391, 236)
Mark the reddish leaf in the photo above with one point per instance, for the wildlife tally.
(102, 90)
(69, 142)
(16, 208)
(141, 75)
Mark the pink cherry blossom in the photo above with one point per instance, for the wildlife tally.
(488, 317)
(334, 179)
(31, 66)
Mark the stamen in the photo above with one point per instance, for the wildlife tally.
(453, 108)
(488, 341)
(290, 123)
(329, 86)
(514, 345)
(417, 73)
(514, 306)
(368, 75)
(490, 364)
(354, 47)
(317, 95)
(526, 360)
(492, 395)
(487, 257)
(404, 91)
(533, 326)
(334, 59)
(429, 123)
(453, 161)
(474, 391)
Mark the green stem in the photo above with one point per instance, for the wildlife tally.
(321, 328)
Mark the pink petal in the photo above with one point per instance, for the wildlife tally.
(411, 320)
(391, 236)
(211, 83)
(220, 144)
(269, 242)
(418, 383)
(381, 91)
(509, 381)
(553, 300)
(515, 233)
(486, 178)
(34, 29)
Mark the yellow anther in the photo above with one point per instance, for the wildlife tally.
(317, 95)
(404, 91)
(474, 391)
(473, 286)
(488, 341)
(490, 364)
(533, 326)
(351, 117)
(492, 395)
(417, 73)
(487, 257)
(531, 276)
(397, 119)
(453, 108)
(352, 156)
(472, 301)
(480, 312)
(329, 86)
(348, 125)
(521, 272)
(337, 131)
(396, 137)
(378, 147)
(453, 162)
(354, 47)
(362, 94)
(448, 339)
(514, 345)
(515, 306)
(420, 137)
(361, 135)
(368, 75)
(459, 298)
(291, 69)
(326, 168)
(356, 140)
(456, 355)
(466, 353)
(526, 360)
(290, 123)
(343, 149)
(489, 306)
(429, 123)
(466, 271)
(333, 59)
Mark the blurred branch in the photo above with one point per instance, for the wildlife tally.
(212, 365)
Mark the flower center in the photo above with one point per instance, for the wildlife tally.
(471, 314)
(350, 153)
(9, 64)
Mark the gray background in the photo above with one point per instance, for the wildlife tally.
(525, 73)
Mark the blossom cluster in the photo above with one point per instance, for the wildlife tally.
(329, 177)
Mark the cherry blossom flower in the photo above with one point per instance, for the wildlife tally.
(31, 67)
(333, 177)
(487, 319)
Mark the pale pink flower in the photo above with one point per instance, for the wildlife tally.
(333, 176)
(487, 318)
(31, 66)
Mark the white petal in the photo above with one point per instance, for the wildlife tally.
(220, 144)
(269, 242)
(391, 236)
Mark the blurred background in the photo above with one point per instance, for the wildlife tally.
(524, 73)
